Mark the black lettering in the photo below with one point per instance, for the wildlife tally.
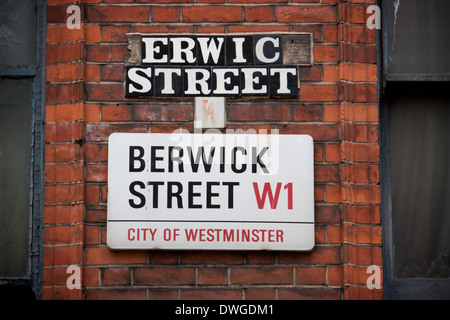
(201, 152)
(155, 185)
(231, 186)
(177, 194)
(192, 194)
(178, 159)
(257, 159)
(210, 194)
(132, 203)
(154, 158)
(138, 158)
(233, 160)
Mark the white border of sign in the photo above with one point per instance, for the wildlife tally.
(210, 192)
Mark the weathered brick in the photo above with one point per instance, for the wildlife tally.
(316, 14)
(113, 13)
(212, 14)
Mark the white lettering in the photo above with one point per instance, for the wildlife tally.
(133, 75)
(151, 48)
(193, 81)
(168, 86)
(178, 49)
(259, 49)
(250, 79)
(210, 49)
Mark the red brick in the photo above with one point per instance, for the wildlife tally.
(157, 276)
(55, 173)
(116, 112)
(316, 14)
(211, 294)
(318, 92)
(90, 277)
(91, 235)
(167, 28)
(316, 31)
(360, 173)
(308, 112)
(106, 53)
(335, 276)
(63, 214)
(168, 112)
(359, 92)
(116, 294)
(114, 33)
(212, 276)
(62, 34)
(319, 132)
(319, 255)
(255, 28)
(103, 255)
(212, 14)
(332, 152)
(310, 275)
(201, 257)
(326, 173)
(359, 112)
(260, 294)
(105, 92)
(96, 173)
(259, 112)
(62, 52)
(65, 72)
(357, 53)
(54, 235)
(112, 72)
(313, 73)
(357, 132)
(166, 14)
(360, 152)
(64, 193)
(64, 92)
(259, 14)
(93, 33)
(261, 275)
(361, 193)
(333, 193)
(61, 293)
(116, 276)
(370, 214)
(112, 13)
(358, 34)
(92, 72)
(325, 54)
(101, 131)
(63, 132)
(91, 152)
(309, 294)
(366, 234)
(63, 255)
(330, 33)
(353, 13)
(362, 293)
(64, 112)
(327, 213)
(362, 255)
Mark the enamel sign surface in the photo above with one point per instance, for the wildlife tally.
(262, 65)
(210, 192)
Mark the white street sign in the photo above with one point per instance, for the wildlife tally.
(210, 192)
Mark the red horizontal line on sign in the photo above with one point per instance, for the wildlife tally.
(218, 221)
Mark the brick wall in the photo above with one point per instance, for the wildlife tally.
(337, 106)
